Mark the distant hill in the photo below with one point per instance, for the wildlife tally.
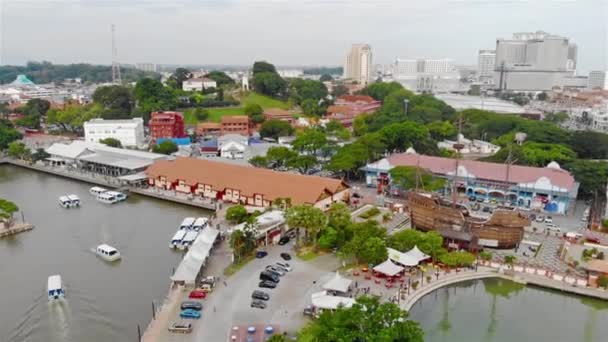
(46, 72)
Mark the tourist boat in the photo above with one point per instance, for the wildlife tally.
(54, 288)
(187, 223)
(107, 252)
(64, 201)
(177, 238)
(120, 196)
(74, 200)
(503, 229)
(188, 239)
(200, 223)
(107, 198)
(96, 191)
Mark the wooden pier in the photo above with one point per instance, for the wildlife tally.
(16, 229)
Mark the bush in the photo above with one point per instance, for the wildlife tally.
(112, 142)
(370, 213)
(602, 281)
(166, 147)
(236, 214)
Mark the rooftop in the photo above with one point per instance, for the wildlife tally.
(235, 119)
(461, 102)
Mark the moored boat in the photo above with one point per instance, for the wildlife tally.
(120, 196)
(107, 252)
(64, 201)
(107, 198)
(200, 223)
(188, 239)
(177, 238)
(74, 200)
(54, 288)
(96, 191)
(187, 223)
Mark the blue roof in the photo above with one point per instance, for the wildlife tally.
(177, 141)
(22, 80)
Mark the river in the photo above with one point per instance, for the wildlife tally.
(498, 310)
(104, 302)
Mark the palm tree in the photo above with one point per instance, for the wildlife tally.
(510, 260)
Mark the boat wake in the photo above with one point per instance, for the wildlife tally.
(59, 320)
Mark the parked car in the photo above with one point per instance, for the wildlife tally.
(260, 295)
(267, 284)
(593, 240)
(258, 304)
(285, 256)
(540, 218)
(309, 311)
(274, 270)
(548, 219)
(479, 199)
(189, 313)
(487, 210)
(284, 266)
(270, 276)
(198, 294)
(191, 305)
(472, 198)
(260, 254)
(182, 327)
(284, 240)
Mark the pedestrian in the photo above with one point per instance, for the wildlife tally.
(225, 284)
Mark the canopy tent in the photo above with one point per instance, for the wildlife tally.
(411, 258)
(338, 284)
(321, 300)
(189, 268)
(388, 268)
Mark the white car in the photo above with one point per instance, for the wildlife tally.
(548, 219)
(284, 266)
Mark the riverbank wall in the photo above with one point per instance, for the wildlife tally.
(16, 229)
(112, 182)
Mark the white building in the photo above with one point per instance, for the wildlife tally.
(485, 65)
(358, 64)
(427, 75)
(470, 146)
(290, 73)
(150, 67)
(534, 61)
(198, 84)
(130, 133)
(597, 79)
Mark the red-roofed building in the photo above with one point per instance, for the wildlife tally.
(236, 124)
(279, 114)
(166, 125)
(547, 188)
(348, 107)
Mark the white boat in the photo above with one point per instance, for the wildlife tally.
(64, 201)
(96, 191)
(74, 200)
(177, 238)
(199, 223)
(107, 198)
(54, 288)
(187, 223)
(188, 239)
(119, 195)
(107, 252)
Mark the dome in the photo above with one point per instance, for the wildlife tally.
(554, 165)
(410, 150)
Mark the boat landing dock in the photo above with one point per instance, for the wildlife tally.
(16, 229)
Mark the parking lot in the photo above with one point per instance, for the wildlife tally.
(229, 304)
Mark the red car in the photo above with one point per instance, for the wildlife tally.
(593, 240)
(198, 293)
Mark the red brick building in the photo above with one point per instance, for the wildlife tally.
(279, 114)
(166, 125)
(348, 107)
(236, 124)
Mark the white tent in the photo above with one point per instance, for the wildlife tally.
(338, 284)
(388, 268)
(197, 255)
(321, 300)
(411, 258)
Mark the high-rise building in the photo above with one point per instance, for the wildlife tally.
(130, 132)
(597, 79)
(147, 67)
(427, 75)
(485, 65)
(166, 125)
(358, 64)
(533, 61)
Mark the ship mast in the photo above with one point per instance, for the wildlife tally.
(458, 146)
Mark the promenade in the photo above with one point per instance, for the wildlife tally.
(112, 182)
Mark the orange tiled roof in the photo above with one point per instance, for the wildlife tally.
(235, 119)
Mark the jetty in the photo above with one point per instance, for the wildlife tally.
(16, 229)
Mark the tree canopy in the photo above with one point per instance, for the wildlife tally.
(112, 142)
(7, 209)
(151, 96)
(165, 147)
(220, 78)
(407, 177)
(117, 101)
(8, 134)
(275, 129)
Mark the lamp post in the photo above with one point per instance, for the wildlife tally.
(405, 105)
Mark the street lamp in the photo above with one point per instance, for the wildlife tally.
(405, 104)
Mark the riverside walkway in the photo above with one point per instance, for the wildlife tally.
(112, 182)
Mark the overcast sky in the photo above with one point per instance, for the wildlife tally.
(288, 32)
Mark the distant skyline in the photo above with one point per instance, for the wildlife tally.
(284, 32)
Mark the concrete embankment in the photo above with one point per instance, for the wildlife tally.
(112, 182)
(16, 229)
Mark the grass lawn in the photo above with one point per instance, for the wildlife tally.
(215, 114)
(236, 266)
(307, 253)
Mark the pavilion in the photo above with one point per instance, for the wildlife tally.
(410, 258)
(338, 284)
(388, 268)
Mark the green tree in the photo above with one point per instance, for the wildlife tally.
(589, 144)
(557, 118)
(165, 147)
(457, 259)
(374, 251)
(277, 338)
(406, 177)
(310, 107)
(485, 256)
(367, 320)
(510, 260)
(7, 209)
(201, 114)
(270, 84)
(339, 90)
(310, 140)
(279, 156)
(73, 117)
(405, 240)
(263, 66)
(151, 96)
(17, 149)
(306, 217)
(255, 112)
(36, 107)
(236, 214)
(259, 161)
(326, 78)
(400, 136)
(541, 154)
(8, 134)
(339, 220)
(361, 232)
(117, 101)
(302, 163)
(242, 241)
(348, 159)
(302, 90)
(29, 121)
(602, 281)
(220, 78)
(275, 129)
(440, 130)
(112, 142)
(380, 91)
(590, 174)
(40, 154)
(179, 76)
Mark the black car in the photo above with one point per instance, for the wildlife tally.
(265, 275)
(258, 304)
(487, 210)
(472, 198)
(260, 295)
(285, 256)
(267, 284)
(284, 240)
(191, 305)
